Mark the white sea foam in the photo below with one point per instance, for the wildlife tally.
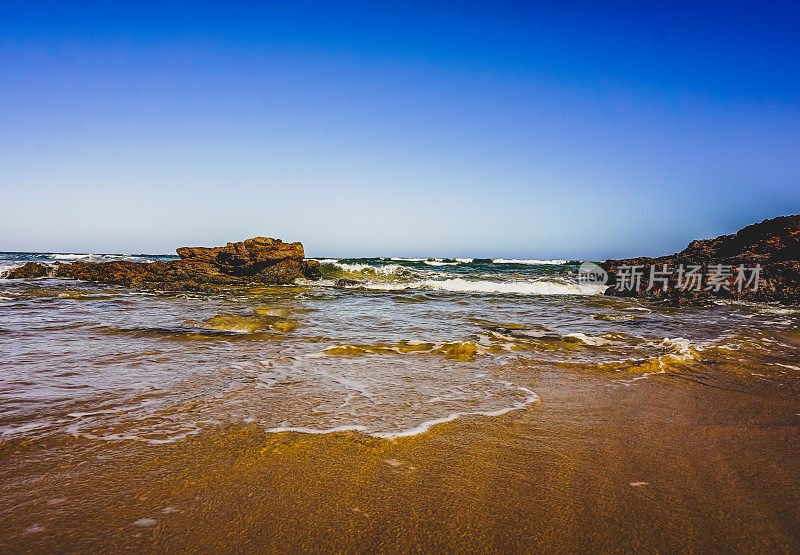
(134, 437)
(59, 256)
(453, 261)
(16, 429)
(421, 428)
(387, 269)
(681, 345)
(459, 285)
(6, 268)
(591, 339)
(440, 263)
(777, 310)
(682, 349)
(434, 261)
(427, 425)
(95, 257)
(304, 430)
(533, 262)
(790, 366)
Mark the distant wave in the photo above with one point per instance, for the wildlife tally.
(533, 262)
(12, 260)
(440, 263)
(454, 275)
(106, 257)
(434, 261)
(59, 256)
(356, 267)
(458, 285)
(449, 261)
(454, 261)
(22, 257)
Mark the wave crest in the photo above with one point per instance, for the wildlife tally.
(533, 262)
(460, 285)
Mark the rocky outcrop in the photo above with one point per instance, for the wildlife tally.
(260, 260)
(727, 266)
(29, 271)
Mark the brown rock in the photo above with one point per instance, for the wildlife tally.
(311, 269)
(260, 260)
(246, 258)
(28, 271)
(773, 244)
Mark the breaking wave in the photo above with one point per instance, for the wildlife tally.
(459, 285)
(534, 262)
(457, 275)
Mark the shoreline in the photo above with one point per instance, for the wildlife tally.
(592, 468)
(760, 262)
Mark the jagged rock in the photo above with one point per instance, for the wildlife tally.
(246, 258)
(311, 269)
(344, 282)
(773, 244)
(260, 260)
(28, 271)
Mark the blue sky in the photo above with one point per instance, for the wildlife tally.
(568, 130)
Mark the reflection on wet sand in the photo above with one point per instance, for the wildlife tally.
(668, 464)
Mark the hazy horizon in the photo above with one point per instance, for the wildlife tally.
(396, 129)
(367, 256)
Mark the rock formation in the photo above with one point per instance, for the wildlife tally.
(260, 260)
(29, 271)
(773, 245)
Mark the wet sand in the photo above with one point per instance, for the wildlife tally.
(668, 463)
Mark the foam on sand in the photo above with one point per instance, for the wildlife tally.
(421, 428)
(427, 425)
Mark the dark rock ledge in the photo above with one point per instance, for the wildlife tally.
(259, 260)
(773, 244)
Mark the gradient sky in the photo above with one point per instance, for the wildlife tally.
(501, 129)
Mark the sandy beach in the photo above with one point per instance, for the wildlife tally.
(665, 464)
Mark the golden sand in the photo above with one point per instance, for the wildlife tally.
(663, 464)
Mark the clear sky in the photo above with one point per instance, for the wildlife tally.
(502, 129)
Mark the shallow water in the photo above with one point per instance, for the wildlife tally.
(440, 404)
(415, 343)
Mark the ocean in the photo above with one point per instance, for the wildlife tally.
(435, 405)
(416, 342)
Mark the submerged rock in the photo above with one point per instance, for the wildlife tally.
(260, 260)
(311, 269)
(344, 282)
(773, 245)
